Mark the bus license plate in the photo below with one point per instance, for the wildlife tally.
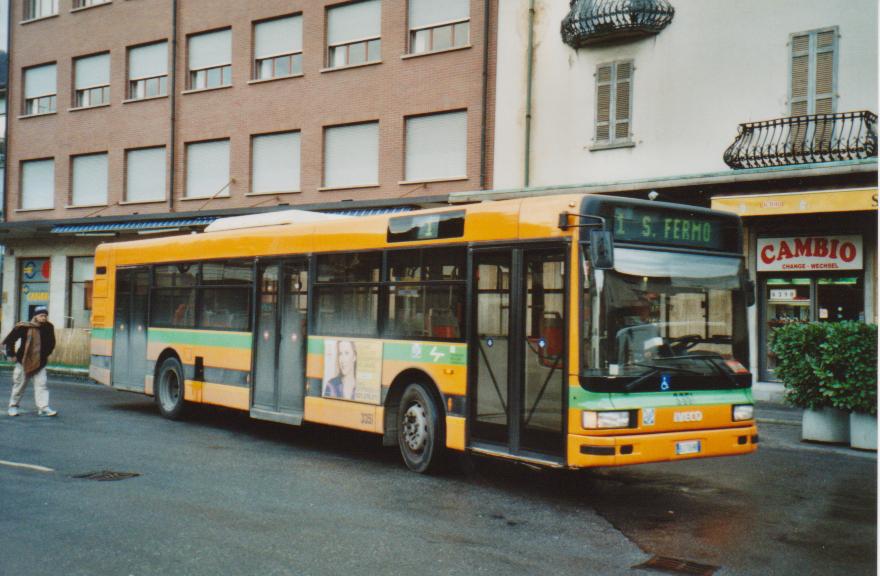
(687, 447)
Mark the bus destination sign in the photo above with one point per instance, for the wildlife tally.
(673, 228)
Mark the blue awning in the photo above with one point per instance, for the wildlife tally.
(128, 226)
(371, 211)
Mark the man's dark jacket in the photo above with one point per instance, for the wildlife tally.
(19, 336)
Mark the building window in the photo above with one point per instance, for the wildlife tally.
(37, 184)
(87, 3)
(92, 80)
(207, 169)
(436, 146)
(33, 285)
(278, 48)
(813, 72)
(79, 290)
(435, 26)
(148, 71)
(351, 155)
(145, 175)
(275, 163)
(614, 103)
(39, 90)
(34, 9)
(353, 33)
(210, 60)
(89, 180)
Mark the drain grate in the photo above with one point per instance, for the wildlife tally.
(106, 475)
(676, 566)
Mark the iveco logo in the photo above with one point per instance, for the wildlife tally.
(695, 416)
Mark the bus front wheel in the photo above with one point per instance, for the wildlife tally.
(170, 389)
(419, 429)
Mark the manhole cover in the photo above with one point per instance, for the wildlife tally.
(677, 566)
(106, 475)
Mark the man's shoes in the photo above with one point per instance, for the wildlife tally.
(13, 411)
(46, 412)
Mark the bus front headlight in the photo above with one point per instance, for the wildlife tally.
(743, 412)
(591, 419)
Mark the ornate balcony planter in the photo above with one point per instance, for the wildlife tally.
(600, 21)
(804, 140)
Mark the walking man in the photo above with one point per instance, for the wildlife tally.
(36, 340)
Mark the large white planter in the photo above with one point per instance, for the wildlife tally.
(826, 425)
(863, 431)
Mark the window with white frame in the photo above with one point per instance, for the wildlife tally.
(436, 146)
(435, 26)
(278, 48)
(207, 169)
(145, 174)
(34, 9)
(91, 80)
(210, 59)
(39, 89)
(148, 71)
(37, 184)
(351, 155)
(614, 103)
(81, 274)
(89, 180)
(87, 3)
(275, 163)
(353, 33)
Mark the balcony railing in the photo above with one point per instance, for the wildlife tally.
(804, 140)
(597, 21)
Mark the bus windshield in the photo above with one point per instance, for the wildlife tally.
(665, 321)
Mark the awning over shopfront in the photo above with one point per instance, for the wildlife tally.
(131, 226)
(798, 202)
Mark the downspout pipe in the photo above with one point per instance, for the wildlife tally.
(172, 87)
(530, 56)
(483, 139)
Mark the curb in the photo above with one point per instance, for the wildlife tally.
(55, 369)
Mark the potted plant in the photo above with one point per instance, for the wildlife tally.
(796, 346)
(847, 373)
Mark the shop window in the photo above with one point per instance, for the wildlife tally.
(79, 305)
(33, 286)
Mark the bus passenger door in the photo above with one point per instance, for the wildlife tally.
(130, 328)
(517, 380)
(279, 341)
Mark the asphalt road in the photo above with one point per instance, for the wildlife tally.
(222, 494)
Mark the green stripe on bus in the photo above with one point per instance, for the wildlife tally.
(200, 338)
(102, 333)
(583, 399)
(427, 352)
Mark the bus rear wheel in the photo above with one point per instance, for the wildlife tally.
(420, 430)
(170, 389)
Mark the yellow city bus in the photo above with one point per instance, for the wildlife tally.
(563, 331)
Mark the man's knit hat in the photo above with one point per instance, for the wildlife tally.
(40, 310)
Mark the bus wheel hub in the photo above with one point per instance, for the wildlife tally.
(415, 427)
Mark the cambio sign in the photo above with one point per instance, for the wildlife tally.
(810, 253)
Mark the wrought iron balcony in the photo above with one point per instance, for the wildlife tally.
(598, 21)
(804, 140)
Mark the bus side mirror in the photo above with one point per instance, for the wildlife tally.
(750, 292)
(602, 249)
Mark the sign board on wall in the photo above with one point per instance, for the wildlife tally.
(810, 253)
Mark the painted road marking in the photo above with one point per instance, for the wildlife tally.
(25, 466)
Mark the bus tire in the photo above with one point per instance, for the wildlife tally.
(420, 430)
(170, 389)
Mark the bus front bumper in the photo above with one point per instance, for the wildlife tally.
(590, 451)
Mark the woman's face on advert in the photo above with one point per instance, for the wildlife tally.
(347, 358)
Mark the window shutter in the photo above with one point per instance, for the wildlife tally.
(351, 22)
(89, 180)
(145, 175)
(436, 146)
(813, 73)
(276, 163)
(92, 71)
(148, 61)
(623, 93)
(39, 81)
(275, 37)
(800, 74)
(603, 103)
(210, 49)
(431, 12)
(351, 155)
(207, 169)
(37, 184)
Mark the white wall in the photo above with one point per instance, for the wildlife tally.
(718, 64)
